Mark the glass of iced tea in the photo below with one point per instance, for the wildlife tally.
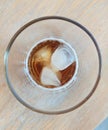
(52, 65)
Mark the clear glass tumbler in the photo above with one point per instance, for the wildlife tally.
(53, 101)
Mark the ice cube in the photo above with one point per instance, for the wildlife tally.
(62, 57)
(48, 77)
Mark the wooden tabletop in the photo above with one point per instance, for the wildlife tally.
(91, 13)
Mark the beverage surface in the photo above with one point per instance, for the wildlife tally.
(51, 63)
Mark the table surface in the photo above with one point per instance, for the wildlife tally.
(91, 13)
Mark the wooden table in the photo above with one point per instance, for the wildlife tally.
(91, 13)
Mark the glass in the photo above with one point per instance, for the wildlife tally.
(53, 101)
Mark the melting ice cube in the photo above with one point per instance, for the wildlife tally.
(48, 77)
(62, 57)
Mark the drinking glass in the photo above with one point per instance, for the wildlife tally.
(64, 99)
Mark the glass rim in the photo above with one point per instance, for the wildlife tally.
(12, 42)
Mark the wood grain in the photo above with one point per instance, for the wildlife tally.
(91, 13)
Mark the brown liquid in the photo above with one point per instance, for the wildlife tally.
(40, 57)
